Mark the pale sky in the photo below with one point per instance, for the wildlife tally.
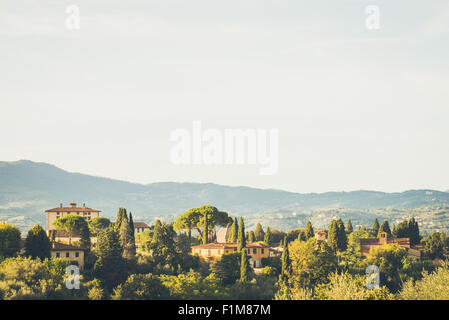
(355, 108)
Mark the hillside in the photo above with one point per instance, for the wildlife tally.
(28, 188)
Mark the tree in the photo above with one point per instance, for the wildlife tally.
(259, 233)
(187, 221)
(385, 227)
(227, 269)
(232, 235)
(342, 237)
(414, 235)
(205, 230)
(24, 278)
(194, 219)
(309, 230)
(375, 227)
(251, 237)
(121, 215)
(349, 228)
(37, 244)
(401, 230)
(285, 260)
(434, 246)
(241, 243)
(244, 268)
(110, 265)
(310, 263)
(97, 224)
(268, 237)
(95, 291)
(73, 225)
(425, 288)
(302, 236)
(108, 245)
(141, 287)
(391, 260)
(163, 247)
(9, 239)
(192, 285)
(332, 237)
(131, 223)
(127, 240)
(345, 286)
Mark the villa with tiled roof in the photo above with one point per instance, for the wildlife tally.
(58, 212)
(211, 251)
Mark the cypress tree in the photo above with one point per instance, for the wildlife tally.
(251, 237)
(259, 234)
(121, 215)
(85, 237)
(127, 241)
(268, 237)
(342, 242)
(108, 246)
(415, 238)
(333, 236)
(244, 267)
(241, 242)
(375, 227)
(309, 230)
(385, 227)
(37, 244)
(131, 223)
(349, 228)
(302, 236)
(233, 232)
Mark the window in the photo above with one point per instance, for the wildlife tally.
(254, 250)
(67, 254)
(57, 254)
(263, 250)
(77, 254)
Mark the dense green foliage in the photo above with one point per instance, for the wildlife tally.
(97, 224)
(241, 242)
(163, 267)
(9, 240)
(37, 244)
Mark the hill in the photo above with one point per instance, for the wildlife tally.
(28, 188)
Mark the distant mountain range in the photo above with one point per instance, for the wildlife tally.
(28, 188)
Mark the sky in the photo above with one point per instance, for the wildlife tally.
(355, 108)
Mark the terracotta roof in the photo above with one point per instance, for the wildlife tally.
(374, 241)
(141, 225)
(72, 208)
(56, 246)
(228, 245)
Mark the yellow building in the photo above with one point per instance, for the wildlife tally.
(73, 255)
(212, 251)
(55, 213)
